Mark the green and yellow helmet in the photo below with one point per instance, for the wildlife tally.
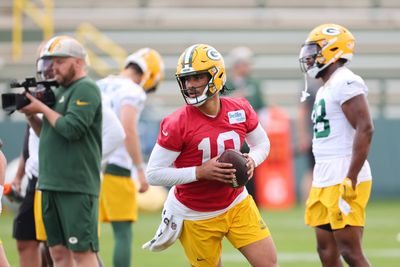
(326, 44)
(152, 66)
(197, 59)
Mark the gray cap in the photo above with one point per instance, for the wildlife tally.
(64, 46)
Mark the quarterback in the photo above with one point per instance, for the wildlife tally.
(185, 157)
(343, 132)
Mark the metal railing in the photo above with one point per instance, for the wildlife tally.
(90, 36)
(42, 17)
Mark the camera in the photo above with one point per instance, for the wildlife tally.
(43, 92)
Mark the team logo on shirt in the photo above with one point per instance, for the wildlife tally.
(81, 103)
(73, 240)
(237, 116)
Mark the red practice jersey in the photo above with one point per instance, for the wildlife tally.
(199, 138)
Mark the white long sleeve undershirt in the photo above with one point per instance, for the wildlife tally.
(259, 144)
(160, 170)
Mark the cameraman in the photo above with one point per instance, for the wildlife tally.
(70, 156)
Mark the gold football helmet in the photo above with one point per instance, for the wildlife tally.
(152, 65)
(325, 45)
(198, 59)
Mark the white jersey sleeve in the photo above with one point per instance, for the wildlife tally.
(122, 91)
(348, 87)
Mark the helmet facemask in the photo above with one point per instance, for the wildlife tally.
(312, 60)
(192, 95)
(44, 69)
(199, 59)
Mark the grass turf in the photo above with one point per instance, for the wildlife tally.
(295, 242)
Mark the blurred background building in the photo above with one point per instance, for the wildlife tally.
(273, 29)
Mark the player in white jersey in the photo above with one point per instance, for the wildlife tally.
(343, 132)
(127, 95)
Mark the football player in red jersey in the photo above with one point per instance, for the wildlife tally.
(185, 157)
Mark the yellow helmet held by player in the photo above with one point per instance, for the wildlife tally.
(325, 45)
(198, 59)
(152, 66)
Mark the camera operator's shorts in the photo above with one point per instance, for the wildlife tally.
(118, 201)
(322, 207)
(71, 220)
(242, 225)
(24, 222)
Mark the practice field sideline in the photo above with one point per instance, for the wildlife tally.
(295, 241)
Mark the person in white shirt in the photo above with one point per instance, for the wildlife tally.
(142, 73)
(343, 131)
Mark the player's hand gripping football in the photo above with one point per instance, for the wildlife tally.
(250, 165)
(215, 170)
(347, 191)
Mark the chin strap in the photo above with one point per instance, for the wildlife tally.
(304, 93)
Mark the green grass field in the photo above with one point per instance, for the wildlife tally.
(295, 242)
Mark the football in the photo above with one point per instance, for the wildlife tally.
(238, 161)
